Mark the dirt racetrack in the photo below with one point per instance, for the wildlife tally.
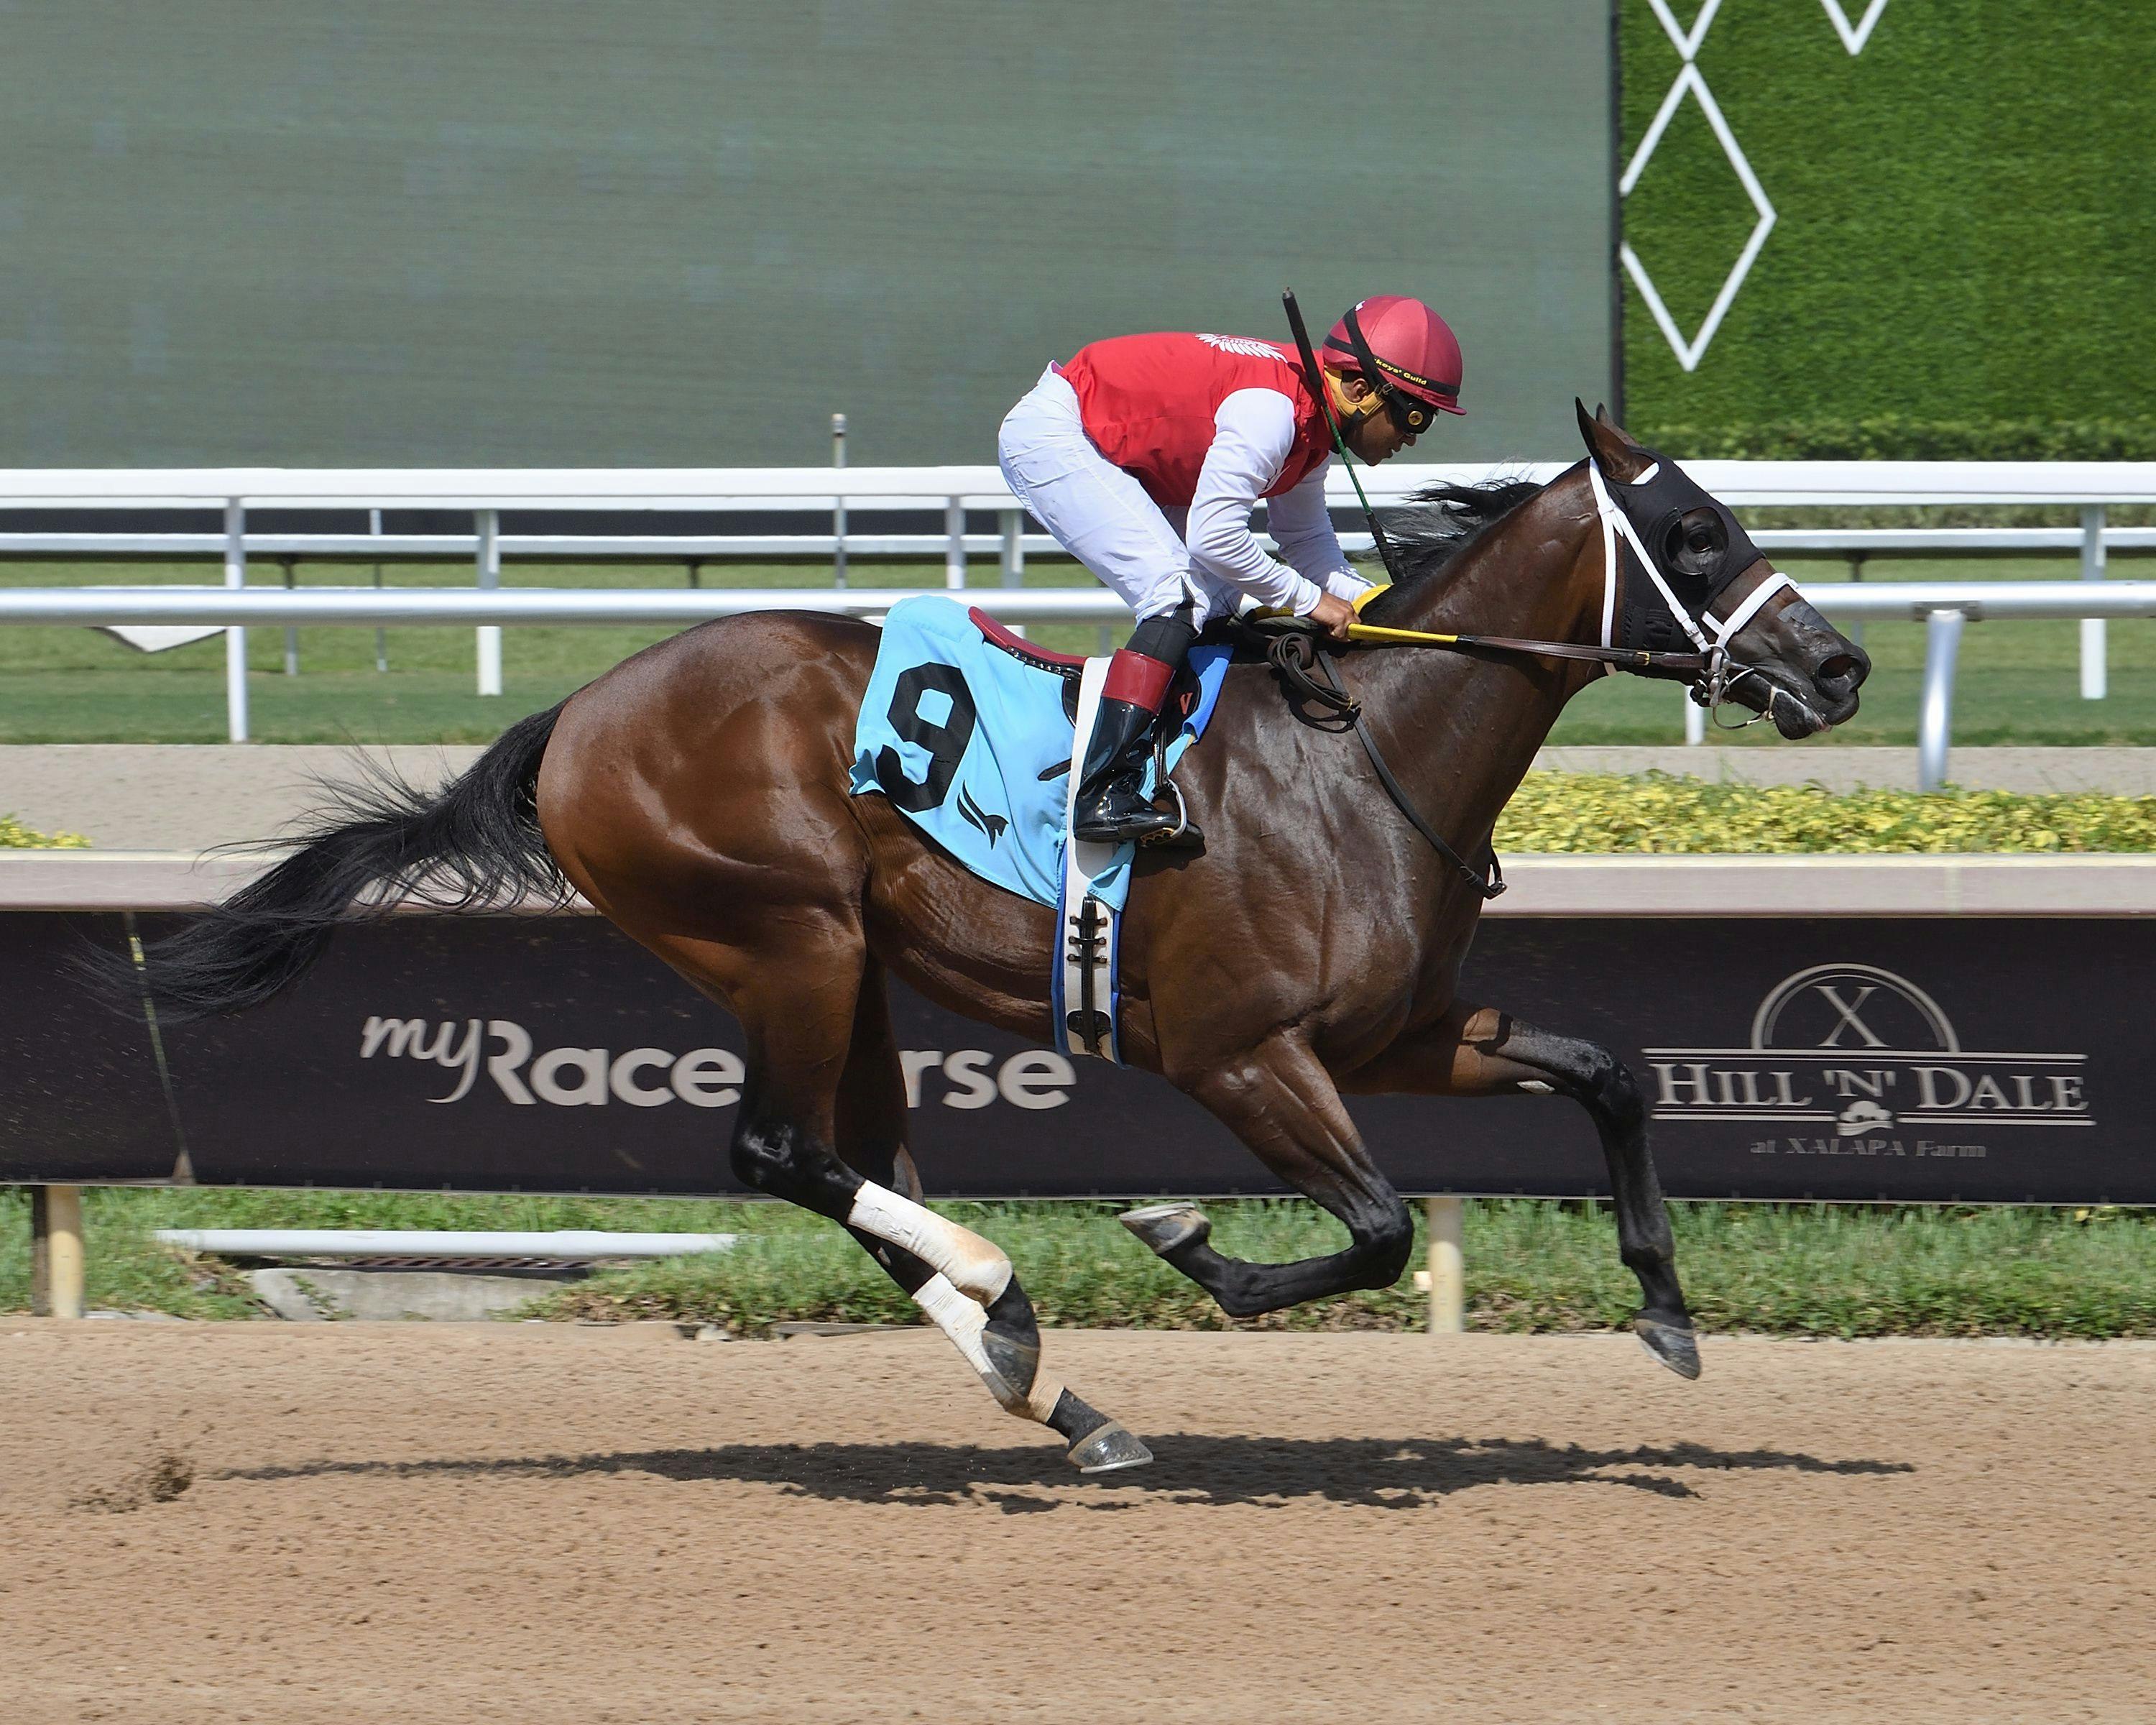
(542, 1524)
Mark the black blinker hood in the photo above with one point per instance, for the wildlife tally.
(1655, 506)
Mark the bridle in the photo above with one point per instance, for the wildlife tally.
(1711, 670)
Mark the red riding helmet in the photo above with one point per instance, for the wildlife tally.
(1406, 353)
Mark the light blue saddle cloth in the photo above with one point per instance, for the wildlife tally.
(972, 745)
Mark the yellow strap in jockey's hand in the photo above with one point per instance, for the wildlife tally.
(1377, 633)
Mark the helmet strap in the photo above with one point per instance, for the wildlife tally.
(1353, 414)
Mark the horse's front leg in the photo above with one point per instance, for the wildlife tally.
(1279, 1099)
(1478, 1051)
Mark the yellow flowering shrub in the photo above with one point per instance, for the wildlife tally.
(1593, 812)
(15, 836)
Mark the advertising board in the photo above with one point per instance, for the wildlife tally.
(1918, 1058)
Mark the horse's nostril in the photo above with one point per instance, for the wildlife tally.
(1850, 668)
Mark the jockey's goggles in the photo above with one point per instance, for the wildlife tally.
(1412, 417)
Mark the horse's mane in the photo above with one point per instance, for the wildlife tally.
(1440, 523)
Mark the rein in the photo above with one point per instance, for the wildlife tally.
(1634, 658)
(1309, 674)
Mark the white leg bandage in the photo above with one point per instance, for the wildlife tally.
(976, 1267)
(960, 1319)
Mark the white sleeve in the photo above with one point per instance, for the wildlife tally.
(1253, 431)
(1301, 528)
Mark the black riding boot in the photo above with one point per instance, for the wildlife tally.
(1111, 807)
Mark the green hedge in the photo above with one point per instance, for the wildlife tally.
(1894, 437)
(15, 836)
(1964, 236)
(1593, 813)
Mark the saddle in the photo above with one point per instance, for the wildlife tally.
(1184, 692)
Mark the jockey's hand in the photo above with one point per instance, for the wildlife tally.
(1333, 614)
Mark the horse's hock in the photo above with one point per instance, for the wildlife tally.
(557, 1523)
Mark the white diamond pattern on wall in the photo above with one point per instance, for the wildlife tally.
(1853, 37)
(1691, 349)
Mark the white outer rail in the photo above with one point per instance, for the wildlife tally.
(566, 1243)
(227, 608)
(1943, 606)
(2091, 485)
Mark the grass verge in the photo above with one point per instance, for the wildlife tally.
(1532, 1266)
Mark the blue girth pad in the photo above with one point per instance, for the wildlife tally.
(971, 743)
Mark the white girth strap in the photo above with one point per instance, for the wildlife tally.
(1085, 948)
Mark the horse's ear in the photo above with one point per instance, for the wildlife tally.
(1586, 422)
(1613, 452)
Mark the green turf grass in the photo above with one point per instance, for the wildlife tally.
(1779, 1269)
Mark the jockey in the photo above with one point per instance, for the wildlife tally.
(1144, 456)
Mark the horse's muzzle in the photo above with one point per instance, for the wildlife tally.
(1814, 671)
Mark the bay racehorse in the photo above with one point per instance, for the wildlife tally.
(697, 795)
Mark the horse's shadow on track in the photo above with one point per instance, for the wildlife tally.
(1381, 1473)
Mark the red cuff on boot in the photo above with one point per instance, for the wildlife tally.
(1136, 678)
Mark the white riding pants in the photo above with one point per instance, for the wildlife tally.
(1099, 513)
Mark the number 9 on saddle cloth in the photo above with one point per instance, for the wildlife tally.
(968, 731)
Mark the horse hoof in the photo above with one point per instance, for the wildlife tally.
(1166, 1227)
(1109, 1449)
(1673, 1344)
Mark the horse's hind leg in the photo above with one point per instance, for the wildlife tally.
(1001, 1341)
(1480, 1052)
(1280, 1102)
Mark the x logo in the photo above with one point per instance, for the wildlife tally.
(1848, 1020)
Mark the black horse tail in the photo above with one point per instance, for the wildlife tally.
(474, 845)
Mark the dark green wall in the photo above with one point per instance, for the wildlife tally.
(1966, 236)
(327, 232)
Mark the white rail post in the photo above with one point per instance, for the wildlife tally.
(1013, 548)
(292, 631)
(954, 545)
(235, 639)
(57, 1265)
(2093, 668)
(1935, 722)
(381, 635)
(1694, 722)
(1448, 1267)
(490, 577)
(1013, 557)
(838, 504)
